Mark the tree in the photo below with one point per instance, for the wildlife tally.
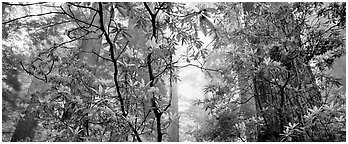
(274, 45)
(101, 70)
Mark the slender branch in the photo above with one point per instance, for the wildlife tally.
(160, 73)
(148, 9)
(101, 56)
(112, 15)
(26, 16)
(52, 25)
(54, 116)
(244, 102)
(30, 73)
(80, 6)
(160, 7)
(124, 48)
(63, 43)
(50, 69)
(78, 20)
(145, 120)
(20, 4)
(114, 61)
(201, 67)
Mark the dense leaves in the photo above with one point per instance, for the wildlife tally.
(97, 71)
(101, 71)
(280, 52)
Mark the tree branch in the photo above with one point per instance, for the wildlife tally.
(114, 61)
(160, 7)
(200, 67)
(30, 73)
(20, 4)
(78, 20)
(48, 13)
(101, 56)
(148, 9)
(124, 48)
(153, 20)
(112, 54)
(80, 6)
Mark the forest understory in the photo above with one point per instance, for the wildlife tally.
(173, 72)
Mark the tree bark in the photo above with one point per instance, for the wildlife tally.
(174, 125)
(25, 129)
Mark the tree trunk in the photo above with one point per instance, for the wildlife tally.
(264, 99)
(279, 105)
(25, 129)
(174, 126)
(26, 126)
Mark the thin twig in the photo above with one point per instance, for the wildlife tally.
(80, 6)
(30, 73)
(200, 67)
(124, 48)
(101, 56)
(19, 4)
(48, 13)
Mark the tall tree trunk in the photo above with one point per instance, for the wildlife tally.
(25, 129)
(174, 126)
(245, 81)
(278, 104)
(264, 99)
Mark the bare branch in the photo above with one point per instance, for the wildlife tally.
(50, 69)
(200, 67)
(30, 73)
(52, 25)
(61, 44)
(81, 6)
(21, 4)
(124, 48)
(160, 7)
(78, 20)
(27, 16)
(101, 56)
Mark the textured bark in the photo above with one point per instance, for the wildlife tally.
(263, 99)
(279, 105)
(173, 129)
(25, 128)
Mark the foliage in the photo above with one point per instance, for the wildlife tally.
(278, 57)
(112, 91)
(101, 71)
(326, 123)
